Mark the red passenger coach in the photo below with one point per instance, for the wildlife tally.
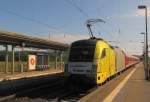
(126, 60)
(130, 60)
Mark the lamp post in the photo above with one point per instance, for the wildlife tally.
(143, 33)
(146, 41)
(143, 51)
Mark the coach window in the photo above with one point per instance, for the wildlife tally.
(103, 53)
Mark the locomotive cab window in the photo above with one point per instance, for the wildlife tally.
(103, 53)
(82, 54)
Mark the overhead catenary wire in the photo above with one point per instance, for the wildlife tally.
(30, 19)
(112, 35)
(72, 3)
(106, 31)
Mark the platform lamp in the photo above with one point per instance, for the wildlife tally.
(146, 42)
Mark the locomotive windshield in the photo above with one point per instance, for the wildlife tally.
(82, 54)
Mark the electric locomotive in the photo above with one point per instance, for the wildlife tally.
(91, 60)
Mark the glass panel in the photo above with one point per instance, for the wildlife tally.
(103, 53)
(82, 54)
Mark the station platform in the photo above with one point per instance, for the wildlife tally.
(29, 74)
(130, 86)
(137, 89)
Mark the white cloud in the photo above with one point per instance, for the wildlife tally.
(134, 14)
(67, 38)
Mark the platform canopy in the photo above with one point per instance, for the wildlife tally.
(18, 39)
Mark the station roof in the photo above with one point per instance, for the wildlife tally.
(18, 39)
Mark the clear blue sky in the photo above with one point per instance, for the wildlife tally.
(58, 17)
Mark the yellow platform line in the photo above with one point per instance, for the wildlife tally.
(114, 93)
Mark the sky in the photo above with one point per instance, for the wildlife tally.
(64, 20)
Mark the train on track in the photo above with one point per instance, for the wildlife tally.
(95, 61)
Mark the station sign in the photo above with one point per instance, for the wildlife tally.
(31, 62)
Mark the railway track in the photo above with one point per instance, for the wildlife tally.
(53, 91)
(31, 90)
(75, 93)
